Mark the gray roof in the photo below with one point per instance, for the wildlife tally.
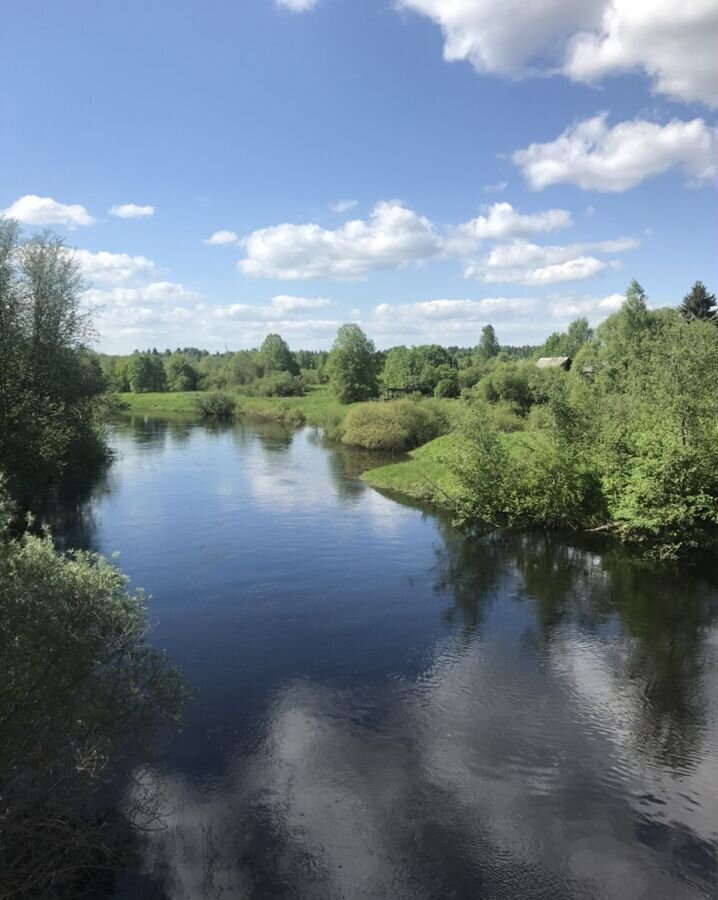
(553, 362)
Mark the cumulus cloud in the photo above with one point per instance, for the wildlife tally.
(222, 237)
(342, 206)
(481, 31)
(132, 211)
(594, 156)
(502, 221)
(279, 306)
(674, 43)
(586, 40)
(112, 267)
(33, 210)
(442, 310)
(153, 292)
(521, 262)
(392, 237)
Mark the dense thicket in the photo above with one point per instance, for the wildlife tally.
(628, 438)
(49, 380)
(80, 687)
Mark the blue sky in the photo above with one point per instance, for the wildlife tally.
(420, 166)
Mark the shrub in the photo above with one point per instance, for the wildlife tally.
(447, 387)
(279, 384)
(396, 425)
(80, 688)
(215, 405)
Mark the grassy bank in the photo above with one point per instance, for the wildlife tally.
(317, 407)
(423, 477)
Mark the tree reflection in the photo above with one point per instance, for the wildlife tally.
(663, 617)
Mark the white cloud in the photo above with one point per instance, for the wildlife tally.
(502, 221)
(392, 237)
(297, 5)
(674, 45)
(222, 237)
(112, 267)
(132, 211)
(521, 262)
(34, 210)
(444, 310)
(497, 188)
(153, 292)
(594, 156)
(342, 206)
(286, 303)
(612, 302)
(506, 41)
(280, 306)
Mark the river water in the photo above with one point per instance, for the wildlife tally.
(386, 708)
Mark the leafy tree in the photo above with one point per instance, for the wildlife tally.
(275, 355)
(49, 382)
(181, 374)
(488, 344)
(352, 365)
(146, 373)
(699, 303)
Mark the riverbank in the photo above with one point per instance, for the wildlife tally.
(317, 407)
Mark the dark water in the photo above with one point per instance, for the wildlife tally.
(387, 709)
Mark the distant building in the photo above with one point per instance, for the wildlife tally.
(554, 362)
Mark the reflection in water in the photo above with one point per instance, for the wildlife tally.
(390, 708)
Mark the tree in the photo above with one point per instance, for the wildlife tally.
(275, 355)
(699, 303)
(181, 374)
(146, 373)
(352, 365)
(49, 383)
(488, 345)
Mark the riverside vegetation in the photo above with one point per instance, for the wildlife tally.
(79, 684)
(625, 441)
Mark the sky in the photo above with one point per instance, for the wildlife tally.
(230, 168)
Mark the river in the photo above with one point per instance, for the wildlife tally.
(386, 708)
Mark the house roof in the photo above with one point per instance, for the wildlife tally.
(551, 362)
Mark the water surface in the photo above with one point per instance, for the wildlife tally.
(386, 708)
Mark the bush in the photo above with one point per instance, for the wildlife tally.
(447, 387)
(80, 688)
(215, 405)
(395, 425)
(279, 384)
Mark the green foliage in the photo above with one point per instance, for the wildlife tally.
(275, 356)
(215, 405)
(568, 343)
(352, 365)
(80, 687)
(395, 425)
(181, 374)
(522, 479)
(49, 381)
(278, 384)
(488, 344)
(699, 303)
(146, 373)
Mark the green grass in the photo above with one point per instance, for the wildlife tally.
(423, 477)
(317, 407)
(181, 403)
